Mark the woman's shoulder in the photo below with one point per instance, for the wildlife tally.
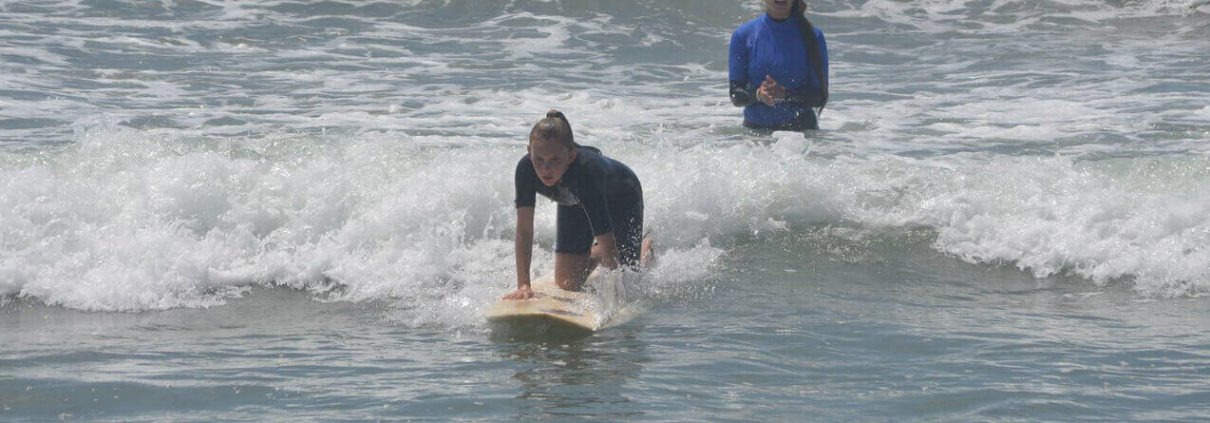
(749, 26)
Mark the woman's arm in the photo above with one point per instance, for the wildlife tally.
(742, 93)
(809, 97)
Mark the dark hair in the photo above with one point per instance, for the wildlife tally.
(554, 127)
(814, 55)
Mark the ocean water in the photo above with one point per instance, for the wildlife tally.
(267, 210)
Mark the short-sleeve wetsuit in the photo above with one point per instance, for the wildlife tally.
(767, 46)
(597, 195)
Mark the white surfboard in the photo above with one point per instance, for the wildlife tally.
(553, 309)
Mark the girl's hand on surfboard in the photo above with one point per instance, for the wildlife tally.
(520, 294)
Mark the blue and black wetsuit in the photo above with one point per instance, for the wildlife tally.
(767, 46)
(597, 195)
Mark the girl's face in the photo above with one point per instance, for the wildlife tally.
(778, 9)
(551, 159)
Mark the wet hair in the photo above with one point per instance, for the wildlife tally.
(799, 12)
(554, 127)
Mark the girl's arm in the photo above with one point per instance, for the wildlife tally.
(524, 245)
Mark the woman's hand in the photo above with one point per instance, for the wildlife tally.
(770, 92)
(522, 293)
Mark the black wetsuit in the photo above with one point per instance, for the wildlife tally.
(597, 195)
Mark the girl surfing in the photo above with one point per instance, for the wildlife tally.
(600, 202)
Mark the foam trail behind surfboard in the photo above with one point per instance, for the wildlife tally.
(615, 297)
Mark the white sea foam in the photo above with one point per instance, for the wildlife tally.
(368, 158)
(1138, 219)
(126, 221)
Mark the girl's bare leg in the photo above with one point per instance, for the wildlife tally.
(571, 270)
(647, 253)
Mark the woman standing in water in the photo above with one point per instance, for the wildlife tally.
(600, 200)
(778, 68)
